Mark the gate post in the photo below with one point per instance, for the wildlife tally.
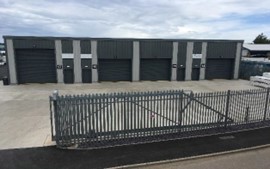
(55, 96)
(266, 104)
(227, 108)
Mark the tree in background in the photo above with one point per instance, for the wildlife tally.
(261, 39)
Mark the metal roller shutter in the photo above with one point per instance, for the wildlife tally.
(219, 68)
(155, 69)
(114, 69)
(35, 66)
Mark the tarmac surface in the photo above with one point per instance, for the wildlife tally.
(52, 157)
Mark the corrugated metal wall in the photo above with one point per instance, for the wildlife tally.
(106, 49)
(156, 49)
(124, 49)
(221, 50)
(67, 46)
(197, 48)
(115, 49)
(33, 43)
(182, 53)
(85, 46)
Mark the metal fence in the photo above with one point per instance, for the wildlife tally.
(102, 120)
(253, 68)
(3, 71)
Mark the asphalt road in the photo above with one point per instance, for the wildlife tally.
(51, 157)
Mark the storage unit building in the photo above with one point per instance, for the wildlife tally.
(90, 60)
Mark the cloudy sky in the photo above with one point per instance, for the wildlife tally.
(218, 19)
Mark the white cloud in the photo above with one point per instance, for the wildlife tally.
(141, 18)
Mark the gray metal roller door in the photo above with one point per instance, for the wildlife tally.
(219, 68)
(35, 66)
(155, 69)
(114, 69)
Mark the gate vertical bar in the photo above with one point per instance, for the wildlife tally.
(227, 108)
(180, 109)
(266, 104)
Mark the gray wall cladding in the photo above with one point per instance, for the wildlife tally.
(85, 46)
(33, 43)
(115, 49)
(156, 49)
(124, 49)
(221, 50)
(67, 46)
(197, 49)
(182, 53)
(106, 49)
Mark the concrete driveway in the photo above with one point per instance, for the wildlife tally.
(24, 109)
